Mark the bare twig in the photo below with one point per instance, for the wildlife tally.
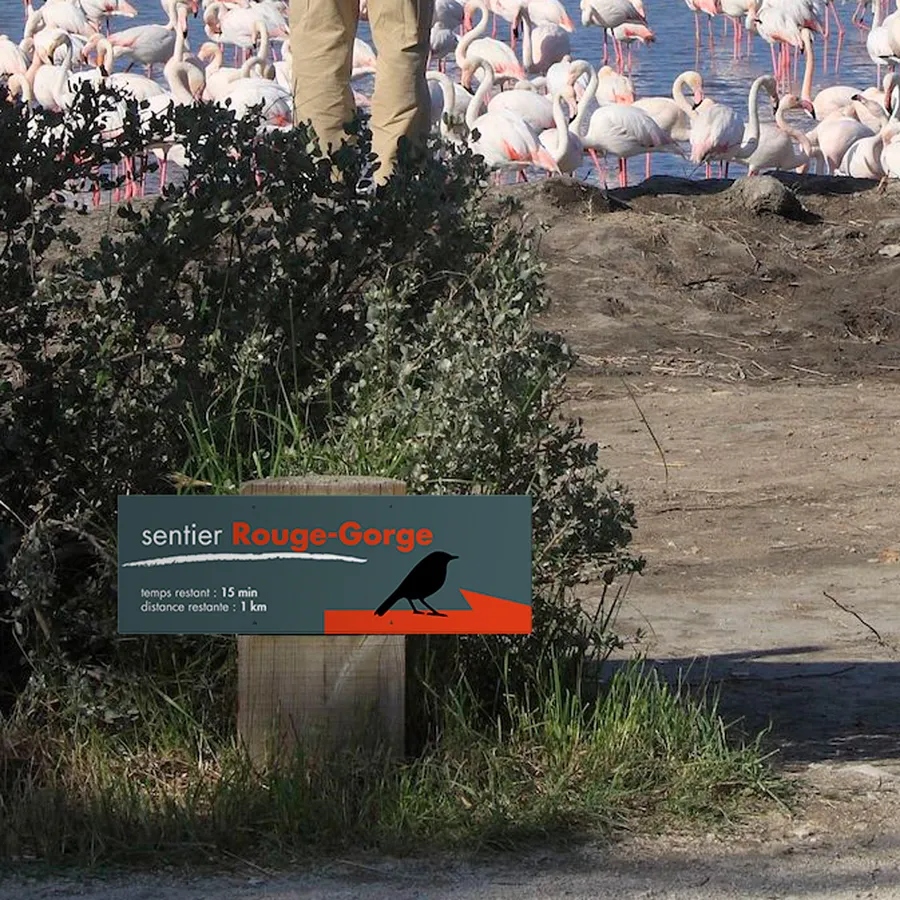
(810, 371)
(637, 406)
(856, 615)
(248, 862)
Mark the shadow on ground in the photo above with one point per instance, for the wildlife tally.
(817, 711)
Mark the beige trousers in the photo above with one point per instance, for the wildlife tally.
(322, 33)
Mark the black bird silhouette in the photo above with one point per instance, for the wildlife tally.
(425, 578)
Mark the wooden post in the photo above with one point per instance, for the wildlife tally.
(320, 691)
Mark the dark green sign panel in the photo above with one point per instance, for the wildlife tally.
(324, 565)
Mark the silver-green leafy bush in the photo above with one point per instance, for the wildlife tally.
(396, 332)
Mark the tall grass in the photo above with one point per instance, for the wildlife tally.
(554, 765)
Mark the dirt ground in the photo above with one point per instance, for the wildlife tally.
(759, 349)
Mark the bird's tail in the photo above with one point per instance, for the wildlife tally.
(388, 603)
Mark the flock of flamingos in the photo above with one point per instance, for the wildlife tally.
(521, 104)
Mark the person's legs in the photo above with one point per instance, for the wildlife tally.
(322, 33)
(401, 104)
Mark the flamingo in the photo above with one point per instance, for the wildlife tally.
(248, 92)
(137, 86)
(501, 139)
(50, 83)
(561, 142)
(442, 43)
(525, 103)
(777, 146)
(719, 133)
(878, 42)
(235, 26)
(629, 33)
(364, 62)
(97, 10)
(711, 8)
(549, 12)
(57, 14)
(890, 153)
(448, 14)
(502, 9)
(673, 114)
(542, 45)
(149, 45)
(445, 111)
(12, 60)
(613, 87)
(607, 14)
(736, 11)
(618, 129)
(786, 23)
(503, 61)
(862, 159)
(835, 134)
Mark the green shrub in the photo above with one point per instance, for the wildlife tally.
(265, 318)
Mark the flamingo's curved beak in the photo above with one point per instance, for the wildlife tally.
(807, 105)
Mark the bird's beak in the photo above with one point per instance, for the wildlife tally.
(805, 104)
(453, 557)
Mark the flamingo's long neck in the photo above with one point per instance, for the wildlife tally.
(262, 33)
(484, 89)
(678, 95)
(806, 87)
(795, 134)
(751, 139)
(562, 129)
(462, 48)
(176, 73)
(527, 46)
(449, 94)
(584, 104)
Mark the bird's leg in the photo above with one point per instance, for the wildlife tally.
(837, 18)
(418, 612)
(712, 39)
(646, 166)
(433, 612)
(605, 47)
(512, 36)
(697, 30)
(708, 170)
(775, 68)
(494, 26)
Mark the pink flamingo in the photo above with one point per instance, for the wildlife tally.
(542, 45)
(607, 14)
(719, 133)
(503, 60)
(782, 146)
(618, 129)
(148, 45)
(627, 35)
(12, 60)
(503, 140)
(674, 114)
(711, 8)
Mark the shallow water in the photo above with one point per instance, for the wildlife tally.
(654, 67)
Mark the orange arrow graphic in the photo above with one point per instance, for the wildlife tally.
(488, 615)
